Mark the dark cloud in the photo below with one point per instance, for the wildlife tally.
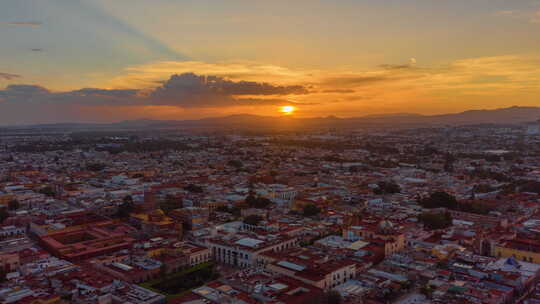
(23, 93)
(21, 23)
(186, 90)
(8, 76)
(191, 90)
(32, 94)
(91, 92)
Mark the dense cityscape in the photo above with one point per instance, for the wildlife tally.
(430, 215)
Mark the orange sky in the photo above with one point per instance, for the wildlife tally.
(344, 58)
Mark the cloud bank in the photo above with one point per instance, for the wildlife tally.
(191, 90)
(8, 76)
(21, 23)
(187, 90)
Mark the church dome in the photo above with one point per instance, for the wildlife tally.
(156, 215)
(158, 212)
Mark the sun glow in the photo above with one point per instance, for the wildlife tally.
(287, 110)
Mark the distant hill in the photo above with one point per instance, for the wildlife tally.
(392, 115)
(504, 115)
(511, 115)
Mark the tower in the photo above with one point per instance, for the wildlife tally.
(149, 203)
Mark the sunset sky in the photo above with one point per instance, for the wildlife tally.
(110, 60)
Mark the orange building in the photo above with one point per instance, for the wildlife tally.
(87, 242)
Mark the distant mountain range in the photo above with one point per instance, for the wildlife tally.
(510, 115)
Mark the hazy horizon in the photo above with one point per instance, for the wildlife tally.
(107, 61)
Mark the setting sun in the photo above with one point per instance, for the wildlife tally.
(287, 110)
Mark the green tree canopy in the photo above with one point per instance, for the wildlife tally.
(439, 199)
(13, 205)
(329, 297)
(253, 219)
(235, 164)
(194, 188)
(126, 208)
(435, 220)
(170, 203)
(258, 202)
(387, 188)
(311, 210)
(48, 191)
(3, 215)
(95, 167)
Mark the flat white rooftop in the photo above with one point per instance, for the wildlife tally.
(249, 242)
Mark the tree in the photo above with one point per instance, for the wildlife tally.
(170, 203)
(13, 205)
(444, 200)
(235, 164)
(48, 191)
(234, 210)
(250, 200)
(126, 208)
(95, 167)
(333, 297)
(533, 187)
(329, 297)
(67, 297)
(387, 188)
(428, 151)
(194, 188)
(253, 220)
(262, 203)
(293, 212)
(3, 215)
(426, 290)
(222, 209)
(257, 202)
(435, 220)
(311, 210)
(483, 188)
(163, 270)
(439, 199)
(487, 174)
(442, 265)
(449, 160)
(128, 199)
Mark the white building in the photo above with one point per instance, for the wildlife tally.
(242, 250)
